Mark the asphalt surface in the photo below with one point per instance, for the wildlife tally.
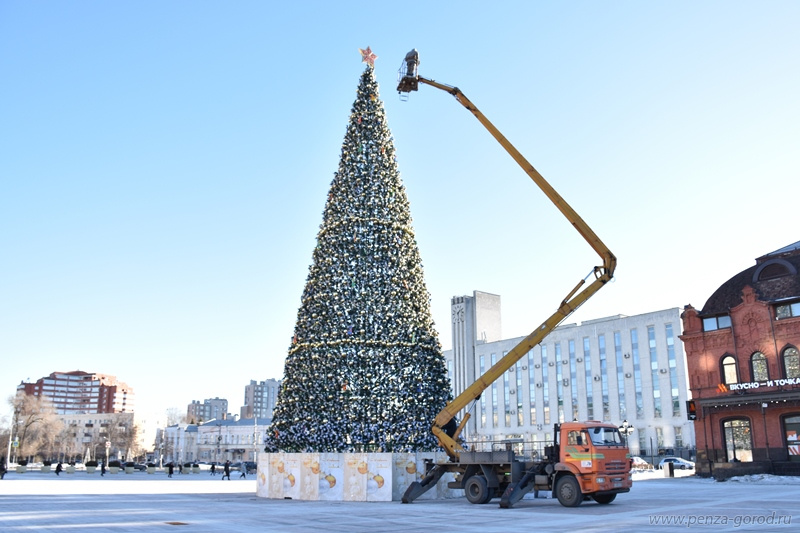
(200, 503)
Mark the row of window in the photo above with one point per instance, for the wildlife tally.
(646, 444)
(759, 367)
(495, 411)
(782, 311)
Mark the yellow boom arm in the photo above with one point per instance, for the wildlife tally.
(577, 296)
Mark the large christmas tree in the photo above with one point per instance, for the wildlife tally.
(365, 369)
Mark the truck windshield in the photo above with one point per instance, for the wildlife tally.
(605, 436)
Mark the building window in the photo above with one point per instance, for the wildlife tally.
(532, 386)
(559, 383)
(506, 396)
(729, 374)
(520, 417)
(623, 411)
(601, 349)
(494, 395)
(792, 431)
(483, 396)
(787, 310)
(587, 363)
(716, 322)
(673, 371)
(738, 440)
(678, 437)
(573, 375)
(774, 269)
(637, 374)
(758, 366)
(545, 385)
(656, 385)
(791, 362)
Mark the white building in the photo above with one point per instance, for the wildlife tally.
(99, 436)
(616, 369)
(215, 441)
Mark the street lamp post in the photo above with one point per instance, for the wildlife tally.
(11, 434)
(219, 443)
(626, 429)
(255, 439)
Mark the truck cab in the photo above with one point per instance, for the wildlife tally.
(592, 461)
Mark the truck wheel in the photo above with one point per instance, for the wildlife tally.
(568, 491)
(604, 498)
(477, 490)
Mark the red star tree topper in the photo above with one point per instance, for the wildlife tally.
(368, 56)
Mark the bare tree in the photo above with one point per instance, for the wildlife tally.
(121, 433)
(35, 426)
(175, 416)
(66, 440)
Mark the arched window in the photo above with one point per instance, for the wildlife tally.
(738, 440)
(758, 367)
(729, 374)
(791, 362)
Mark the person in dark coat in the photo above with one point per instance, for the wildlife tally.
(213, 470)
(59, 468)
(102, 468)
(170, 469)
(227, 471)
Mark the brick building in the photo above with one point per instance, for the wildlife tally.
(744, 370)
(78, 393)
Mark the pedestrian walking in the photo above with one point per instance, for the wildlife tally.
(227, 471)
(170, 469)
(2, 467)
(59, 468)
(213, 470)
(102, 468)
(244, 471)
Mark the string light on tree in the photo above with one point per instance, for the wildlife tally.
(364, 370)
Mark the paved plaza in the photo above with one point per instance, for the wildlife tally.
(139, 502)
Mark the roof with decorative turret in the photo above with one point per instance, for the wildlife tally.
(774, 277)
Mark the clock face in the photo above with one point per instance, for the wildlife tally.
(458, 314)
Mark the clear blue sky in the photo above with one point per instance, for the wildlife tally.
(164, 166)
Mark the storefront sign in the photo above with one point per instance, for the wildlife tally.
(758, 384)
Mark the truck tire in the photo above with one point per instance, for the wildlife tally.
(604, 498)
(477, 490)
(568, 491)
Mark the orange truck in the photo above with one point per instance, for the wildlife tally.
(587, 460)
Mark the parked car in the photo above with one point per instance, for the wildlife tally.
(140, 467)
(641, 464)
(679, 463)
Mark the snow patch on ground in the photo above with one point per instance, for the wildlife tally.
(765, 479)
(752, 479)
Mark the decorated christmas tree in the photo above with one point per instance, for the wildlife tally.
(365, 371)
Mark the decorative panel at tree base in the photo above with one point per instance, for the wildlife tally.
(355, 477)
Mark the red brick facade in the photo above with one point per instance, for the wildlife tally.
(743, 375)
